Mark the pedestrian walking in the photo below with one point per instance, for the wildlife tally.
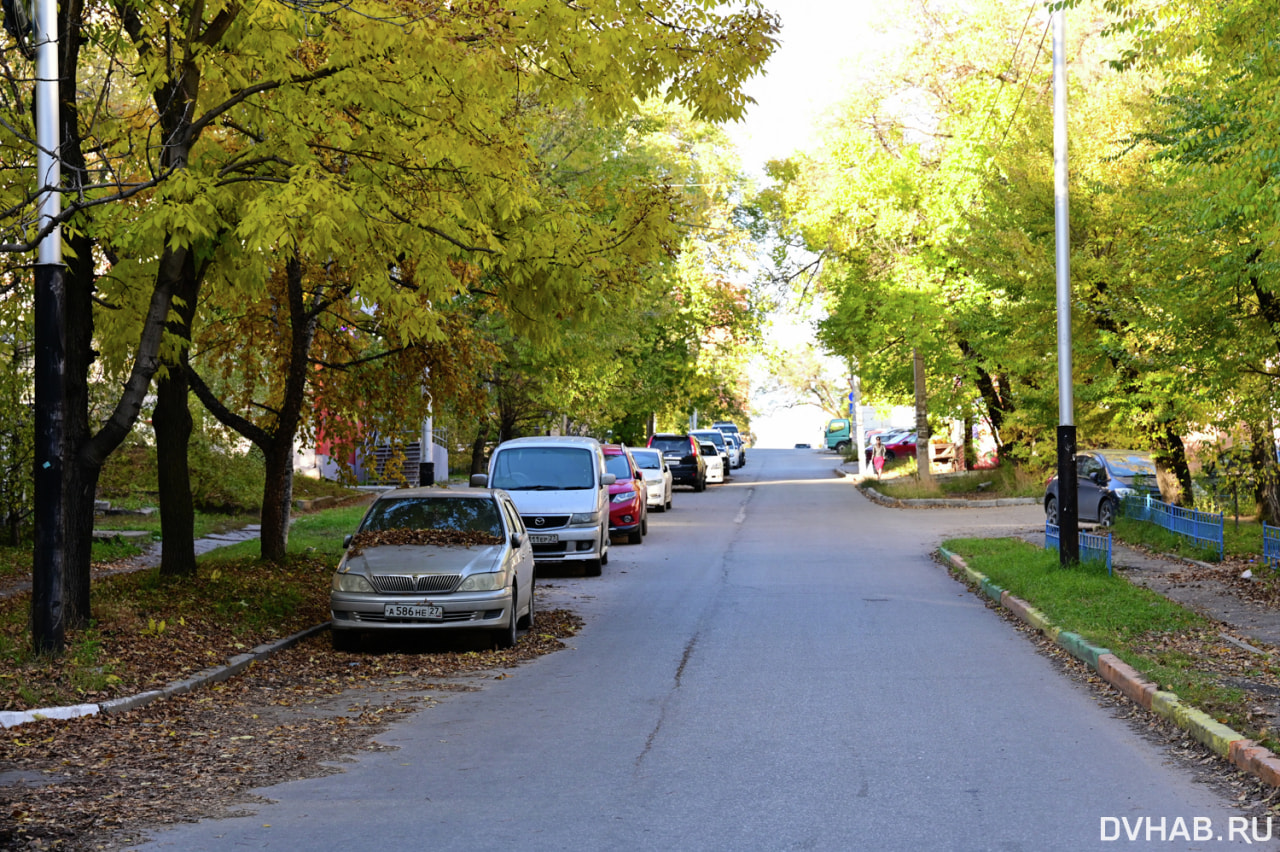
(877, 455)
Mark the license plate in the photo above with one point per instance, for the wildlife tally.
(412, 611)
(543, 539)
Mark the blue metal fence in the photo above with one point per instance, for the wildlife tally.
(1204, 528)
(1093, 547)
(1270, 545)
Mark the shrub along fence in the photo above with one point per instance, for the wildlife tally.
(1093, 547)
(1203, 528)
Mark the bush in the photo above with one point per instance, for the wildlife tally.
(223, 481)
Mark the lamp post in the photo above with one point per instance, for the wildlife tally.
(1068, 513)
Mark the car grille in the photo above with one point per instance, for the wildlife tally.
(409, 584)
(549, 522)
(555, 549)
(449, 617)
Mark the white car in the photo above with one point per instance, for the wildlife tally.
(715, 461)
(737, 453)
(657, 475)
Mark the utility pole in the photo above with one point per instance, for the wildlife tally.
(1068, 512)
(49, 563)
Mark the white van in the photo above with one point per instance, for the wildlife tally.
(560, 486)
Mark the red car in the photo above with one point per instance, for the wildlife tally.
(628, 495)
(902, 445)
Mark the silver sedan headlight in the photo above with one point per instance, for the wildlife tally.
(490, 582)
(585, 518)
(351, 583)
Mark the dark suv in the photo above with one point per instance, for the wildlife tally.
(684, 459)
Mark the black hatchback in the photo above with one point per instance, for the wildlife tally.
(686, 463)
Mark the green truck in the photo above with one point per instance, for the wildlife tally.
(839, 434)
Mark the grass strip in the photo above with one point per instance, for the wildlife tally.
(1172, 646)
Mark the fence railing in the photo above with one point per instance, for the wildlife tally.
(1270, 545)
(1203, 528)
(1093, 547)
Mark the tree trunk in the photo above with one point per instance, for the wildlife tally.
(477, 450)
(922, 418)
(1266, 473)
(172, 421)
(968, 455)
(1173, 476)
(277, 498)
(80, 470)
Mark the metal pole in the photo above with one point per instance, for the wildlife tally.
(1068, 512)
(49, 569)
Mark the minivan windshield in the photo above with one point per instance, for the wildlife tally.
(677, 444)
(543, 469)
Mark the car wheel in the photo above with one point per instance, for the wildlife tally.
(345, 640)
(889, 456)
(507, 636)
(1051, 511)
(527, 621)
(668, 506)
(1106, 513)
(701, 484)
(842, 447)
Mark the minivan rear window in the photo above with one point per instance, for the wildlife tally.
(672, 445)
(543, 469)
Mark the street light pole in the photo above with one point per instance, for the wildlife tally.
(49, 568)
(1068, 513)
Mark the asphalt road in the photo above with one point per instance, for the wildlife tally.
(781, 665)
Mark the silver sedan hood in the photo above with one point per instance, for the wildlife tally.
(424, 559)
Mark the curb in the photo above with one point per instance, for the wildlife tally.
(1243, 753)
(216, 674)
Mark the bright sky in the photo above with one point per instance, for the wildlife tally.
(822, 47)
(821, 44)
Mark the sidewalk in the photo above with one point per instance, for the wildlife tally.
(150, 557)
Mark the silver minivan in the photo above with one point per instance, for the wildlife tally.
(561, 488)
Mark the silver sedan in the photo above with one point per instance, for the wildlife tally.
(433, 559)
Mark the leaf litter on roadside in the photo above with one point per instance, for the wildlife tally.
(100, 782)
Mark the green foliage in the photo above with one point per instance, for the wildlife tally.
(223, 481)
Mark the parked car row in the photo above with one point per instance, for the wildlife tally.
(898, 443)
(433, 558)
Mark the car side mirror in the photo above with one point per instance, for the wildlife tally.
(516, 539)
(608, 479)
(479, 480)
(639, 475)
(346, 540)
(1098, 477)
